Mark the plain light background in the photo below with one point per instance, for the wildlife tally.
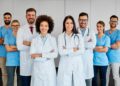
(58, 9)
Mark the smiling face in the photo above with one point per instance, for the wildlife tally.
(83, 21)
(113, 22)
(44, 27)
(100, 28)
(15, 26)
(69, 25)
(31, 16)
(7, 19)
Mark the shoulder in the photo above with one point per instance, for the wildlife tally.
(23, 27)
(91, 31)
(36, 38)
(106, 31)
(118, 30)
(1, 27)
(79, 35)
(61, 35)
(51, 37)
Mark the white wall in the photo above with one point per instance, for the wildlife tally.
(58, 9)
(97, 10)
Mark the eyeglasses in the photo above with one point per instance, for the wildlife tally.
(113, 21)
(15, 25)
(83, 20)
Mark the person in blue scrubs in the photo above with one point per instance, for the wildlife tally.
(3, 31)
(13, 57)
(100, 59)
(1, 84)
(114, 51)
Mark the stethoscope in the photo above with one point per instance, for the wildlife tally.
(76, 40)
(88, 33)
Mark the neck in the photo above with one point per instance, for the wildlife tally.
(112, 29)
(31, 24)
(83, 27)
(69, 33)
(43, 34)
(7, 26)
(100, 34)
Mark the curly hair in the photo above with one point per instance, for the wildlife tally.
(43, 18)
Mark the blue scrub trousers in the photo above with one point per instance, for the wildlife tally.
(101, 70)
(26, 80)
(11, 73)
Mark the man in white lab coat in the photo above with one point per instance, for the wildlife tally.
(24, 37)
(89, 42)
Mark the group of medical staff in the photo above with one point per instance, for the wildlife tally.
(30, 50)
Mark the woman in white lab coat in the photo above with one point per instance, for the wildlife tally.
(71, 48)
(43, 51)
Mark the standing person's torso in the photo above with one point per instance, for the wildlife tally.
(70, 42)
(3, 32)
(12, 57)
(43, 46)
(113, 54)
(24, 34)
(100, 58)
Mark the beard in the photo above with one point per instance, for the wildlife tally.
(7, 22)
(31, 21)
(113, 26)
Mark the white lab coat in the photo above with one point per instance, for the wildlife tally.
(88, 55)
(43, 72)
(24, 33)
(70, 66)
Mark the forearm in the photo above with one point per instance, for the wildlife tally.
(35, 55)
(115, 45)
(1, 41)
(102, 49)
(27, 43)
(11, 49)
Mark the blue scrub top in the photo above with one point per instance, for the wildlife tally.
(114, 54)
(3, 32)
(100, 58)
(13, 58)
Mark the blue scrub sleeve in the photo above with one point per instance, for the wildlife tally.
(107, 42)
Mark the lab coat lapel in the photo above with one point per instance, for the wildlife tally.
(86, 32)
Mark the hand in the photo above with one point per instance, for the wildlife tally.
(75, 49)
(99, 47)
(12, 46)
(27, 43)
(64, 47)
(113, 46)
(33, 56)
(90, 40)
(52, 51)
(1, 40)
